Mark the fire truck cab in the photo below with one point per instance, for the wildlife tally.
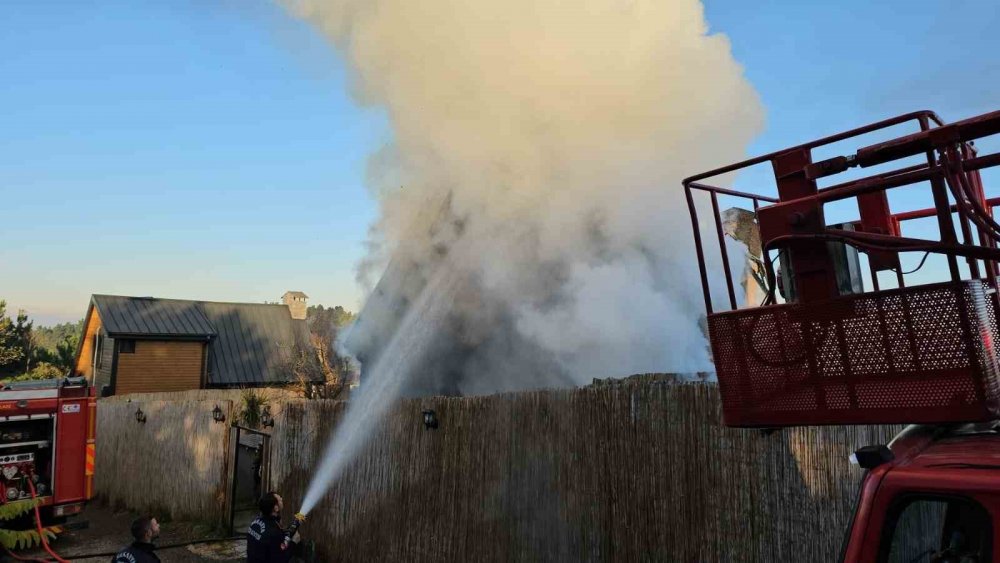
(845, 336)
(930, 495)
(47, 443)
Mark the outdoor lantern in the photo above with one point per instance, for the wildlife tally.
(218, 415)
(430, 419)
(265, 417)
(140, 416)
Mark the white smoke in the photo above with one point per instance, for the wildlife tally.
(555, 135)
(538, 152)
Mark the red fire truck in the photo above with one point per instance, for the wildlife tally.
(47, 444)
(841, 340)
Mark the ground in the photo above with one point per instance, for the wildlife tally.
(109, 531)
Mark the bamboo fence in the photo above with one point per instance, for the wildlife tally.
(640, 472)
(172, 465)
(626, 473)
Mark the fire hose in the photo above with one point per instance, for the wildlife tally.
(115, 552)
(38, 525)
(285, 544)
(59, 559)
(158, 548)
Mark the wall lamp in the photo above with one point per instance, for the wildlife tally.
(140, 416)
(218, 415)
(430, 419)
(265, 417)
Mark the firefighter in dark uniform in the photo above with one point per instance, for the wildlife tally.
(265, 535)
(144, 530)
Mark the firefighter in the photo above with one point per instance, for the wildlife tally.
(265, 535)
(145, 529)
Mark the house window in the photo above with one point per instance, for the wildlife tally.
(927, 528)
(126, 346)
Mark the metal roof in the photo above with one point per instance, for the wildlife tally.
(249, 343)
(255, 344)
(147, 316)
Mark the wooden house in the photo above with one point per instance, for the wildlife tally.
(145, 344)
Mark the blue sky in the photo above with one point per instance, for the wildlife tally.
(822, 68)
(212, 150)
(169, 149)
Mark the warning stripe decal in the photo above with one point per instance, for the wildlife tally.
(90, 459)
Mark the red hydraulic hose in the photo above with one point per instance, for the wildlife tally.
(38, 524)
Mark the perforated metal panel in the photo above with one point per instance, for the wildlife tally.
(916, 355)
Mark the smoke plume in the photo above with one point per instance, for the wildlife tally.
(537, 156)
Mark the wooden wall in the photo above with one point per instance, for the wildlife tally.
(160, 366)
(85, 358)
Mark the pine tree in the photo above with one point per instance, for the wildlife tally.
(23, 329)
(11, 351)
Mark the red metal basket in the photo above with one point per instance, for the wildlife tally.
(921, 354)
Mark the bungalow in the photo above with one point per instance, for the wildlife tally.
(145, 344)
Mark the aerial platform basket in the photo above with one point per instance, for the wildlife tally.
(841, 349)
(917, 354)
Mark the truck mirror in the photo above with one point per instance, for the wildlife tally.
(870, 457)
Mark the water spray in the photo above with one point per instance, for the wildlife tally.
(391, 371)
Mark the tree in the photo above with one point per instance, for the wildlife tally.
(325, 325)
(25, 340)
(29, 352)
(57, 344)
(66, 353)
(51, 336)
(11, 352)
(42, 370)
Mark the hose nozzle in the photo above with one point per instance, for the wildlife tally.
(297, 521)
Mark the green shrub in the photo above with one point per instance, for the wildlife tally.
(43, 370)
(253, 404)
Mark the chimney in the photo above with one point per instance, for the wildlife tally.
(296, 302)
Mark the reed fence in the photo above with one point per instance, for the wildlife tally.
(173, 464)
(626, 472)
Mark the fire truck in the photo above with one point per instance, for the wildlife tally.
(844, 334)
(47, 444)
